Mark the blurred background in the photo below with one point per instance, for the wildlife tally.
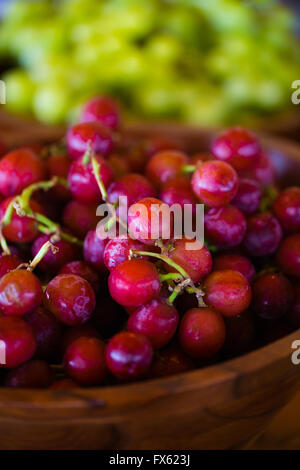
(213, 63)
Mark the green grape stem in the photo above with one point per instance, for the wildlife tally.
(96, 171)
(88, 154)
(40, 255)
(21, 204)
(185, 280)
(24, 198)
(186, 169)
(164, 258)
(170, 277)
(4, 244)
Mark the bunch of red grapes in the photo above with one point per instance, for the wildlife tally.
(80, 310)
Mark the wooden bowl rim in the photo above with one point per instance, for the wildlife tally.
(139, 392)
(198, 379)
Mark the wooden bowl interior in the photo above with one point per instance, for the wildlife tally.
(219, 406)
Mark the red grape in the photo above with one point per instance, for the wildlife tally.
(8, 263)
(32, 374)
(156, 320)
(288, 255)
(272, 296)
(228, 292)
(84, 361)
(82, 181)
(47, 331)
(118, 249)
(102, 109)
(80, 218)
(164, 166)
(82, 269)
(170, 361)
(133, 186)
(80, 136)
(54, 261)
(196, 262)
(134, 282)
(287, 209)
(129, 355)
(18, 339)
(93, 250)
(225, 227)
(150, 219)
(293, 314)
(70, 298)
(20, 292)
(215, 183)
(21, 229)
(202, 332)
(235, 263)
(19, 169)
(248, 196)
(59, 165)
(238, 147)
(263, 235)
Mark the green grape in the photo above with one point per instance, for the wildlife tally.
(24, 12)
(188, 25)
(165, 49)
(130, 19)
(87, 31)
(209, 108)
(269, 94)
(19, 91)
(104, 50)
(239, 90)
(31, 45)
(6, 34)
(129, 70)
(281, 19)
(228, 15)
(204, 61)
(254, 90)
(159, 100)
(202, 101)
(79, 10)
(52, 68)
(51, 102)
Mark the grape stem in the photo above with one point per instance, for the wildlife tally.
(8, 213)
(186, 281)
(21, 204)
(4, 244)
(96, 171)
(177, 290)
(269, 196)
(24, 198)
(87, 156)
(170, 277)
(164, 258)
(40, 255)
(188, 168)
(104, 195)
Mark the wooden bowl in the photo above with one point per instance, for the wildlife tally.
(218, 407)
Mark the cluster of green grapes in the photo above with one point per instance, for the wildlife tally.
(212, 62)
